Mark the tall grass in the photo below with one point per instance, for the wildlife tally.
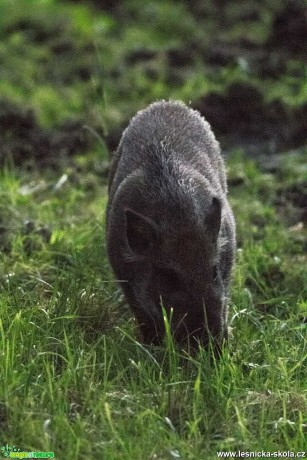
(76, 380)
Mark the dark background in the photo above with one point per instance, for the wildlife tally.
(67, 65)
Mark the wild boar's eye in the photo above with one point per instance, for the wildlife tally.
(169, 280)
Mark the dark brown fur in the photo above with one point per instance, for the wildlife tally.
(170, 230)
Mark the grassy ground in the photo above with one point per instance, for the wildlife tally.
(74, 379)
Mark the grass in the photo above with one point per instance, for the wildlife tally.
(60, 57)
(74, 377)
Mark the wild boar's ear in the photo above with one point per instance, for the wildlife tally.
(141, 232)
(213, 217)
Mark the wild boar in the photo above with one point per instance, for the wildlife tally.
(170, 229)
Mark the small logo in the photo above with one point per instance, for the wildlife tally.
(8, 451)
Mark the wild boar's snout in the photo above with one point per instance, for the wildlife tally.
(170, 229)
